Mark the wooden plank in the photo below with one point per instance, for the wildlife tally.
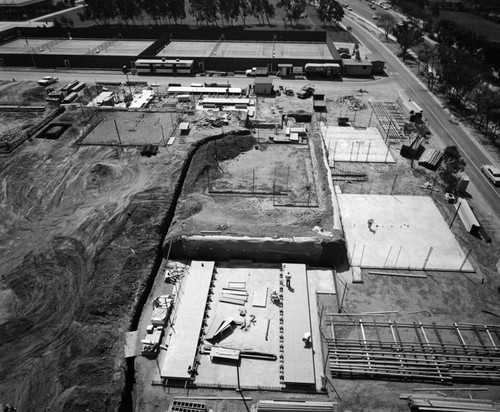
(406, 275)
(235, 292)
(237, 285)
(260, 298)
(233, 301)
(235, 297)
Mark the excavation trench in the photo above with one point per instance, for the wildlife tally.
(309, 250)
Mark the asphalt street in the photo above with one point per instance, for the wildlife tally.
(439, 120)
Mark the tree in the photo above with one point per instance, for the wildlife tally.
(452, 166)
(407, 36)
(244, 10)
(330, 10)
(294, 9)
(387, 22)
(176, 10)
(269, 11)
(227, 10)
(428, 55)
(458, 73)
(487, 102)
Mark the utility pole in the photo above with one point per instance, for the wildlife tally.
(119, 138)
(163, 136)
(125, 71)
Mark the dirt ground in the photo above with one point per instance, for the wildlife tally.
(81, 227)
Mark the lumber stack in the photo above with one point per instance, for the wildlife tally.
(430, 158)
(435, 404)
(236, 296)
(291, 406)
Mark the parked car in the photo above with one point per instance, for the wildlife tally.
(47, 80)
(372, 6)
(492, 173)
(375, 16)
(349, 8)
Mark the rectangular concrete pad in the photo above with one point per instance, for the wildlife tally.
(404, 230)
(253, 373)
(317, 51)
(350, 144)
(190, 301)
(298, 360)
(77, 46)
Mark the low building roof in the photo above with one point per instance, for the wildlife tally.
(263, 80)
(352, 62)
(18, 3)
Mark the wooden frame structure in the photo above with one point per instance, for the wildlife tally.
(414, 351)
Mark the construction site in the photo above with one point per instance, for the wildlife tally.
(203, 248)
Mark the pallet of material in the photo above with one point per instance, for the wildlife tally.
(233, 301)
(236, 285)
(430, 158)
(290, 406)
(235, 297)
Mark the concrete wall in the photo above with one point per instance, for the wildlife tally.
(325, 252)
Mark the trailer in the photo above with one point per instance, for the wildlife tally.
(163, 66)
(322, 69)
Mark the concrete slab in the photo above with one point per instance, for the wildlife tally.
(187, 319)
(298, 357)
(253, 373)
(350, 144)
(404, 230)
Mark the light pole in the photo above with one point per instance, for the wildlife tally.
(125, 71)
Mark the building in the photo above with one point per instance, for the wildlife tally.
(352, 67)
(24, 9)
(263, 86)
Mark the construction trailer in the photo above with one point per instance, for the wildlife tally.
(467, 216)
(351, 67)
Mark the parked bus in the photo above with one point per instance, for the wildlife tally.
(322, 69)
(164, 66)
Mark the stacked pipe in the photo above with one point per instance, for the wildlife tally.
(433, 404)
(291, 406)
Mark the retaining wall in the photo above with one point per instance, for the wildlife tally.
(314, 251)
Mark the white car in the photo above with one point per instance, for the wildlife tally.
(375, 16)
(492, 173)
(46, 80)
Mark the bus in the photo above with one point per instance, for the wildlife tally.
(322, 69)
(164, 66)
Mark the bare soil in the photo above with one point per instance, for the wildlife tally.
(81, 227)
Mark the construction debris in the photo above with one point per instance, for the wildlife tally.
(162, 306)
(151, 342)
(351, 102)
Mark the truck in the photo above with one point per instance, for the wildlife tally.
(256, 71)
(306, 91)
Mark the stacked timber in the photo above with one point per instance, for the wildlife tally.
(435, 404)
(430, 158)
(291, 406)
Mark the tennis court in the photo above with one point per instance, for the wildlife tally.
(188, 49)
(315, 51)
(72, 47)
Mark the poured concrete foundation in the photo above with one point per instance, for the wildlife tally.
(330, 251)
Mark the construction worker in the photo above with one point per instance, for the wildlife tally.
(288, 277)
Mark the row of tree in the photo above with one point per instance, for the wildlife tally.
(461, 67)
(208, 12)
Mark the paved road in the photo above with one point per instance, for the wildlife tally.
(439, 120)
